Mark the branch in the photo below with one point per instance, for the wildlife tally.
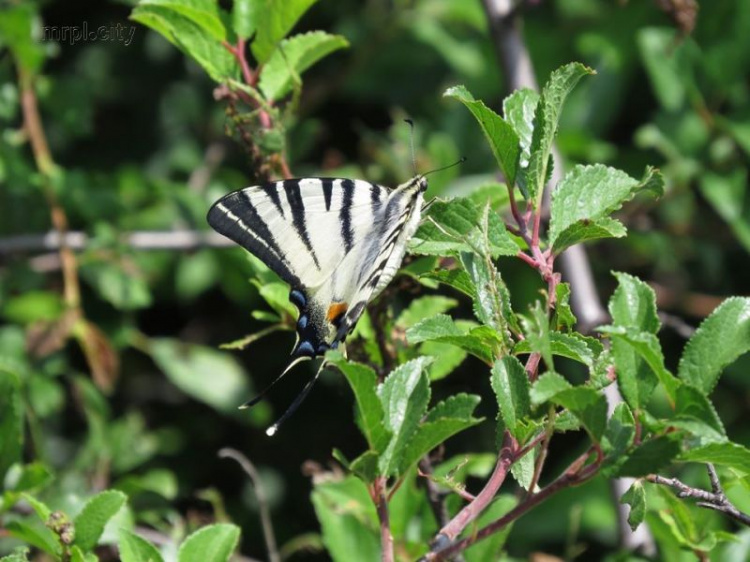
(139, 240)
(260, 494)
(715, 500)
(381, 504)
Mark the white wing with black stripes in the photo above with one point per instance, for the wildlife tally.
(337, 242)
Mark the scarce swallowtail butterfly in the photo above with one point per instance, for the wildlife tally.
(336, 242)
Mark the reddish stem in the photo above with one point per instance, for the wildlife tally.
(381, 504)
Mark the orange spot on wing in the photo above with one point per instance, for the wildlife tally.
(336, 310)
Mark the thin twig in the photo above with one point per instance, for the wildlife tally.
(381, 505)
(715, 500)
(260, 494)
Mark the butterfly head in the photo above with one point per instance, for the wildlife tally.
(421, 182)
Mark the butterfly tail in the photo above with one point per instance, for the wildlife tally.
(297, 401)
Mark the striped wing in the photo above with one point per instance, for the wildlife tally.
(337, 242)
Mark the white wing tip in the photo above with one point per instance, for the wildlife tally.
(271, 431)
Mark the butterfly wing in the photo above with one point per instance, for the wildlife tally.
(330, 239)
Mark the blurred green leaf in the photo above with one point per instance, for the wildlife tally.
(635, 497)
(424, 307)
(90, 523)
(113, 284)
(17, 33)
(511, 385)
(501, 137)
(212, 543)
(585, 198)
(245, 17)
(195, 274)
(19, 554)
(727, 194)
(33, 306)
(732, 455)
(651, 456)
(137, 549)
(11, 421)
(481, 342)
(546, 117)
(274, 20)
(28, 477)
(207, 375)
(204, 13)
(719, 340)
(404, 396)
(667, 64)
(36, 534)
(292, 57)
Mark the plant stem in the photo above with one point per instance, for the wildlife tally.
(381, 504)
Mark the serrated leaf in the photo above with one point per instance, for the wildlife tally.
(404, 396)
(694, 412)
(491, 299)
(459, 225)
(429, 435)
(206, 374)
(512, 389)
(618, 438)
(446, 358)
(546, 117)
(424, 307)
(719, 340)
(564, 318)
(519, 109)
(365, 466)
(547, 386)
(213, 543)
(588, 405)
(500, 135)
(585, 198)
(190, 38)
(635, 497)
(537, 334)
(274, 20)
(136, 549)
(292, 57)
(90, 523)
(482, 342)
(574, 346)
(11, 421)
(363, 382)
(650, 457)
(732, 455)
(204, 13)
(633, 304)
(456, 278)
(41, 509)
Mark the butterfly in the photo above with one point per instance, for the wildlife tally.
(336, 242)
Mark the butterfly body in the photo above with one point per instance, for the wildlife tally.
(336, 242)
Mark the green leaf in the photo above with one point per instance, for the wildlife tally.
(213, 543)
(274, 20)
(726, 194)
(588, 405)
(648, 348)
(633, 304)
(276, 294)
(442, 422)
(617, 438)
(501, 137)
(41, 509)
(719, 340)
(190, 37)
(585, 198)
(635, 497)
(732, 455)
(459, 225)
(651, 456)
(546, 117)
(424, 307)
(32, 306)
(292, 58)
(537, 334)
(404, 396)
(519, 109)
(482, 342)
(17, 32)
(456, 278)
(363, 381)
(365, 466)
(667, 65)
(564, 319)
(244, 17)
(574, 346)
(210, 376)
(348, 520)
(11, 421)
(19, 554)
(124, 291)
(90, 523)
(36, 534)
(695, 413)
(203, 13)
(29, 477)
(512, 389)
(491, 299)
(547, 386)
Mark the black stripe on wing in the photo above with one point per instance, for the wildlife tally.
(345, 214)
(296, 203)
(235, 217)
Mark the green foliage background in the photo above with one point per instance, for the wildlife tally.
(140, 145)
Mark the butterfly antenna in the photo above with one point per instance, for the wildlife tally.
(297, 401)
(411, 140)
(259, 397)
(456, 163)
